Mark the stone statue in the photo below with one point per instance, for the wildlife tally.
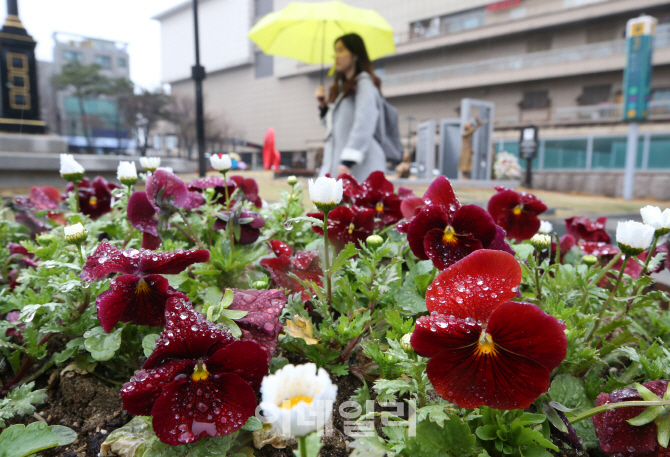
(465, 161)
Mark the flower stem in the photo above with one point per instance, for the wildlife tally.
(650, 255)
(302, 444)
(80, 250)
(76, 197)
(190, 229)
(609, 300)
(327, 258)
(603, 271)
(225, 186)
(610, 406)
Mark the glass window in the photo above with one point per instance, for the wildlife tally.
(565, 154)
(610, 152)
(535, 99)
(594, 95)
(103, 61)
(73, 56)
(539, 43)
(121, 62)
(659, 152)
(264, 65)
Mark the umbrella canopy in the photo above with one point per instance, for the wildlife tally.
(307, 31)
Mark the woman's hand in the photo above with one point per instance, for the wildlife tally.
(343, 169)
(320, 95)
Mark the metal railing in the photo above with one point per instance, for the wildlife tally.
(535, 59)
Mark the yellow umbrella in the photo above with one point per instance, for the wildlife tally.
(307, 31)
(234, 155)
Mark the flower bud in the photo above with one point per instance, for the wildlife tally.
(374, 241)
(70, 169)
(292, 180)
(633, 237)
(150, 163)
(44, 239)
(405, 342)
(75, 234)
(127, 173)
(325, 193)
(590, 260)
(546, 227)
(260, 284)
(221, 162)
(540, 241)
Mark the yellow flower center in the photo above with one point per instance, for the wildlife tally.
(200, 373)
(449, 235)
(291, 402)
(517, 210)
(93, 201)
(485, 345)
(351, 228)
(142, 287)
(379, 207)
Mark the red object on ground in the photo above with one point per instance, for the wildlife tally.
(271, 157)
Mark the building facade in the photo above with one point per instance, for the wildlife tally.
(62, 109)
(555, 63)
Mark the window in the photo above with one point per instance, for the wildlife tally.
(601, 34)
(263, 7)
(121, 62)
(103, 61)
(539, 43)
(659, 152)
(264, 65)
(535, 99)
(448, 23)
(610, 152)
(73, 56)
(595, 95)
(565, 154)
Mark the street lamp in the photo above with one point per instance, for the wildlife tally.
(198, 74)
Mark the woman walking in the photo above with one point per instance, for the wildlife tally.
(351, 113)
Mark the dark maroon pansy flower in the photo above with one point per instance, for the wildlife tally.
(305, 265)
(583, 228)
(351, 190)
(22, 254)
(499, 243)
(484, 349)
(516, 213)
(347, 225)
(597, 248)
(95, 199)
(405, 192)
(411, 206)
(261, 324)
(246, 225)
(166, 191)
(144, 217)
(211, 182)
(617, 436)
(198, 382)
(377, 193)
(140, 293)
(249, 188)
(24, 213)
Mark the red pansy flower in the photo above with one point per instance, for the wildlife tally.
(351, 190)
(46, 197)
(144, 217)
(211, 182)
(377, 193)
(444, 231)
(596, 248)
(21, 254)
(248, 187)
(166, 191)
(261, 324)
(140, 293)
(583, 228)
(198, 382)
(516, 213)
(484, 349)
(246, 224)
(617, 436)
(347, 225)
(95, 199)
(305, 265)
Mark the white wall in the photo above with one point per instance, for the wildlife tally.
(223, 28)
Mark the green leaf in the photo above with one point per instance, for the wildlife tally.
(19, 440)
(149, 344)
(487, 432)
(23, 398)
(341, 369)
(102, 345)
(277, 363)
(663, 432)
(234, 314)
(431, 440)
(646, 394)
(312, 444)
(345, 254)
(252, 424)
(411, 301)
(646, 416)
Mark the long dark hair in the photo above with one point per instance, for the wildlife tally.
(354, 43)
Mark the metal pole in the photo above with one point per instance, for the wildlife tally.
(198, 74)
(529, 173)
(631, 154)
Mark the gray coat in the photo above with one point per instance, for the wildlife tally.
(352, 124)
